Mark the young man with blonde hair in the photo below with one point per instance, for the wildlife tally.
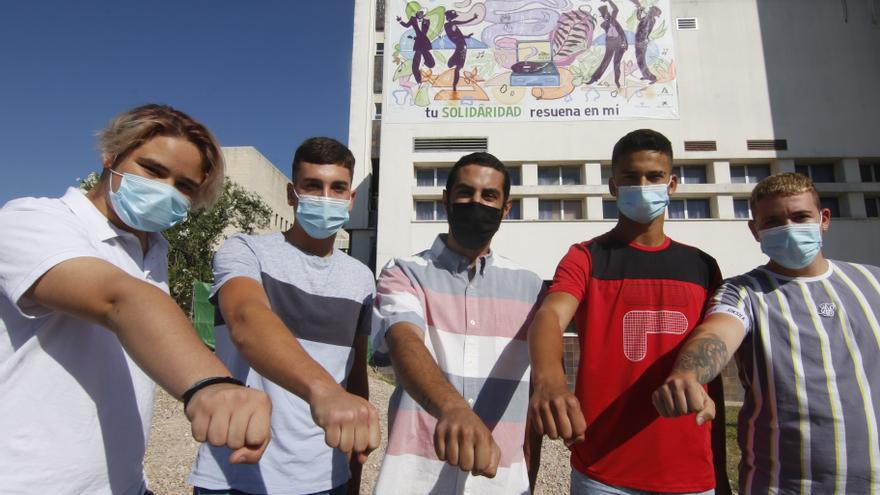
(86, 323)
(806, 336)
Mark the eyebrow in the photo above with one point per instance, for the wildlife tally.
(165, 170)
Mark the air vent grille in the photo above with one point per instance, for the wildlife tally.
(450, 144)
(767, 144)
(685, 23)
(700, 146)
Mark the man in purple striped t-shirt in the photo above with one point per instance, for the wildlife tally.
(453, 319)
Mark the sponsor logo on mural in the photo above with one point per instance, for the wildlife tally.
(528, 60)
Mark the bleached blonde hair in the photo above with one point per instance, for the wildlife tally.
(783, 185)
(129, 130)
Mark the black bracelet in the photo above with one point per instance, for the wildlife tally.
(207, 382)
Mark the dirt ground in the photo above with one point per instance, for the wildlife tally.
(172, 450)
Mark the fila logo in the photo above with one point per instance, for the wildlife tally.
(827, 309)
(638, 324)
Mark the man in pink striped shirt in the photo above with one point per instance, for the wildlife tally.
(453, 319)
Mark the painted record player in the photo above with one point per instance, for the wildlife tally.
(534, 65)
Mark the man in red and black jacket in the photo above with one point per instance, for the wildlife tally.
(635, 295)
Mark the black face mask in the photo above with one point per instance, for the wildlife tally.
(473, 224)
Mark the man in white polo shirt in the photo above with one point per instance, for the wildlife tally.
(86, 323)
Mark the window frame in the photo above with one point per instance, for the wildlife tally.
(559, 176)
(747, 176)
(686, 212)
(681, 176)
(579, 217)
(437, 210)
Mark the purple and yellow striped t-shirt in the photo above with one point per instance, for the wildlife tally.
(810, 364)
(475, 328)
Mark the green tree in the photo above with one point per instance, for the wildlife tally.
(194, 241)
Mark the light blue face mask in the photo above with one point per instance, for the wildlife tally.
(147, 205)
(321, 216)
(793, 246)
(643, 203)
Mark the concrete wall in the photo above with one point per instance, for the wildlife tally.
(250, 169)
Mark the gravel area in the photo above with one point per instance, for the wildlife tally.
(171, 450)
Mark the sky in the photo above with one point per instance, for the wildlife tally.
(265, 73)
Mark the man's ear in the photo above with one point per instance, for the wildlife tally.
(754, 230)
(506, 208)
(106, 160)
(612, 187)
(824, 220)
(351, 200)
(673, 183)
(445, 197)
(291, 195)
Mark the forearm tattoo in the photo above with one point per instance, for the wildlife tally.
(705, 356)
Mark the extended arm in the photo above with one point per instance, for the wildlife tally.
(614, 9)
(461, 438)
(359, 385)
(555, 411)
(702, 358)
(719, 437)
(350, 423)
(159, 338)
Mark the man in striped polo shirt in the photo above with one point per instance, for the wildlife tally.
(453, 321)
(807, 340)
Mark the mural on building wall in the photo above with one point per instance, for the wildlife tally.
(528, 60)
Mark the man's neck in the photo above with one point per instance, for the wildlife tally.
(316, 247)
(470, 254)
(644, 234)
(100, 199)
(816, 268)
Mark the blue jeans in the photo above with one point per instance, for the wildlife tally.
(339, 490)
(581, 484)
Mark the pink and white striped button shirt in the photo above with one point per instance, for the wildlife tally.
(475, 328)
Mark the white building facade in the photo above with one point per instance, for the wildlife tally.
(760, 87)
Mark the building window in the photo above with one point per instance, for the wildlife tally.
(515, 212)
(690, 174)
(872, 207)
(689, 208)
(378, 111)
(823, 172)
(431, 177)
(741, 208)
(515, 174)
(380, 48)
(559, 176)
(606, 173)
(870, 172)
(748, 174)
(560, 209)
(832, 204)
(430, 210)
(609, 209)
(378, 61)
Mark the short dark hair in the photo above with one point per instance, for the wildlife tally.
(482, 159)
(323, 151)
(641, 140)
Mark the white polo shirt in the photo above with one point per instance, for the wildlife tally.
(75, 410)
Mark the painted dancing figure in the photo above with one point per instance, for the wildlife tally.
(647, 19)
(421, 45)
(615, 43)
(456, 61)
